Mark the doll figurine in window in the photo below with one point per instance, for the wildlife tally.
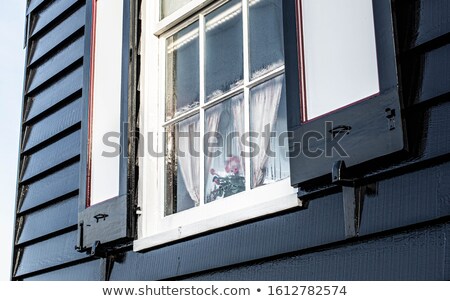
(229, 184)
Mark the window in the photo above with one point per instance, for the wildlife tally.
(342, 87)
(221, 118)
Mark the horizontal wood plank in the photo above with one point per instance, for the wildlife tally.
(53, 218)
(52, 125)
(55, 64)
(86, 271)
(48, 13)
(42, 45)
(49, 253)
(49, 188)
(56, 153)
(412, 255)
(54, 95)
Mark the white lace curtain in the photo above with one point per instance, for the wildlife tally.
(264, 104)
(189, 162)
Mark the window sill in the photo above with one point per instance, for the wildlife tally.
(272, 206)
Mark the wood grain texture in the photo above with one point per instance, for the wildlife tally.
(433, 20)
(54, 124)
(64, 30)
(33, 4)
(65, 149)
(436, 73)
(37, 224)
(321, 223)
(54, 186)
(43, 17)
(66, 86)
(54, 65)
(412, 255)
(49, 253)
(86, 271)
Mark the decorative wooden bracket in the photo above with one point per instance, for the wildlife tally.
(352, 198)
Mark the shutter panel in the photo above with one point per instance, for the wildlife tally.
(111, 223)
(366, 130)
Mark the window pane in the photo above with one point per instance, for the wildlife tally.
(224, 166)
(105, 107)
(266, 36)
(224, 54)
(340, 53)
(268, 125)
(170, 6)
(182, 71)
(183, 165)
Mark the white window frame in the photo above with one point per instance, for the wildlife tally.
(154, 227)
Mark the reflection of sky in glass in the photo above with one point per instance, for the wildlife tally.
(183, 71)
(266, 36)
(170, 6)
(340, 53)
(224, 49)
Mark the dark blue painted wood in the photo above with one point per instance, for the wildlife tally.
(398, 202)
(434, 20)
(54, 124)
(59, 152)
(407, 199)
(436, 72)
(88, 271)
(39, 47)
(45, 221)
(370, 134)
(49, 253)
(48, 13)
(432, 143)
(54, 65)
(413, 255)
(320, 224)
(54, 95)
(49, 188)
(33, 4)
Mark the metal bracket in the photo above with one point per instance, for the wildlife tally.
(79, 247)
(352, 202)
(339, 175)
(390, 115)
(95, 248)
(352, 198)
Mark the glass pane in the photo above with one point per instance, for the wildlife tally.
(105, 107)
(340, 53)
(224, 54)
(170, 6)
(268, 126)
(183, 165)
(266, 36)
(182, 71)
(224, 165)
